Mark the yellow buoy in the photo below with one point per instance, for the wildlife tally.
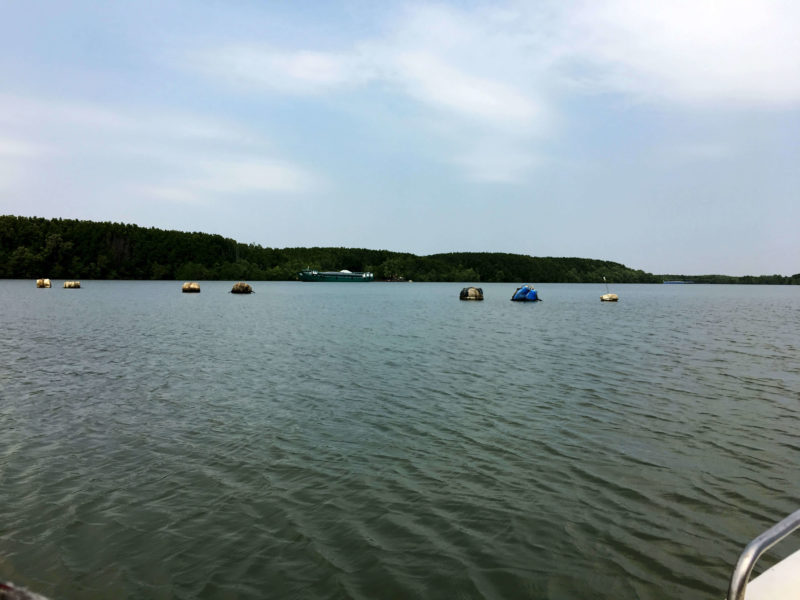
(191, 287)
(72, 285)
(608, 297)
(42, 283)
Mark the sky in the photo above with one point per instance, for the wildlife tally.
(662, 135)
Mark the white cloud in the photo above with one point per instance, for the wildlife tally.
(505, 71)
(497, 163)
(438, 84)
(699, 151)
(259, 66)
(11, 176)
(173, 195)
(174, 157)
(435, 57)
(253, 175)
(443, 58)
(16, 160)
(511, 54)
(15, 148)
(738, 52)
(50, 119)
(199, 181)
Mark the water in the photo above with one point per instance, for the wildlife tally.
(389, 441)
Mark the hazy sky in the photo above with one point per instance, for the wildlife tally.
(663, 135)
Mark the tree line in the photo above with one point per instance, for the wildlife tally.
(32, 247)
(744, 279)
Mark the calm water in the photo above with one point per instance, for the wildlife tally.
(389, 441)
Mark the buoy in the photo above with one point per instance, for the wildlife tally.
(72, 285)
(607, 297)
(525, 293)
(471, 293)
(242, 288)
(191, 287)
(42, 283)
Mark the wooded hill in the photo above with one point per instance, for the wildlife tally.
(744, 279)
(32, 247)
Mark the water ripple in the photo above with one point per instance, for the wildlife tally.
(389, 441)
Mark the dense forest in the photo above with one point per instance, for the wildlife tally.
(744, 279)
(33, 247)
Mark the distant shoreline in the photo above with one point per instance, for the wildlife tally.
(33, 248)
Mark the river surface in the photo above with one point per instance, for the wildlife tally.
(386, 440)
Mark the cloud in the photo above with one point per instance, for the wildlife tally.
(441, 85)
(253, 175)
(262, 67)
(501, 163)
(15, 148)
(739, 52)
(175, 157)
(491, 55)
(509, 72)
(698, 152)
(39, 117)
(457, 67)
(441, 57)
(16, 158)
(199, 181)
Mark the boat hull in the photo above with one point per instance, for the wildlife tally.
(352, 277)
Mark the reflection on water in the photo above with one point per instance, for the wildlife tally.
(388, 441)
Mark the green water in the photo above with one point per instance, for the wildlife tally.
(320, 440)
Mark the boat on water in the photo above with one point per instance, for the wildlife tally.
(780, 582)
(343, 275)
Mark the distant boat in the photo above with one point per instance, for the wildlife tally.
(344, 275)
(607, 297)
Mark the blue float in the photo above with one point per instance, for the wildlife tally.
(526, 293)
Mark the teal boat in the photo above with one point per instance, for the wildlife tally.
(344, 275)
